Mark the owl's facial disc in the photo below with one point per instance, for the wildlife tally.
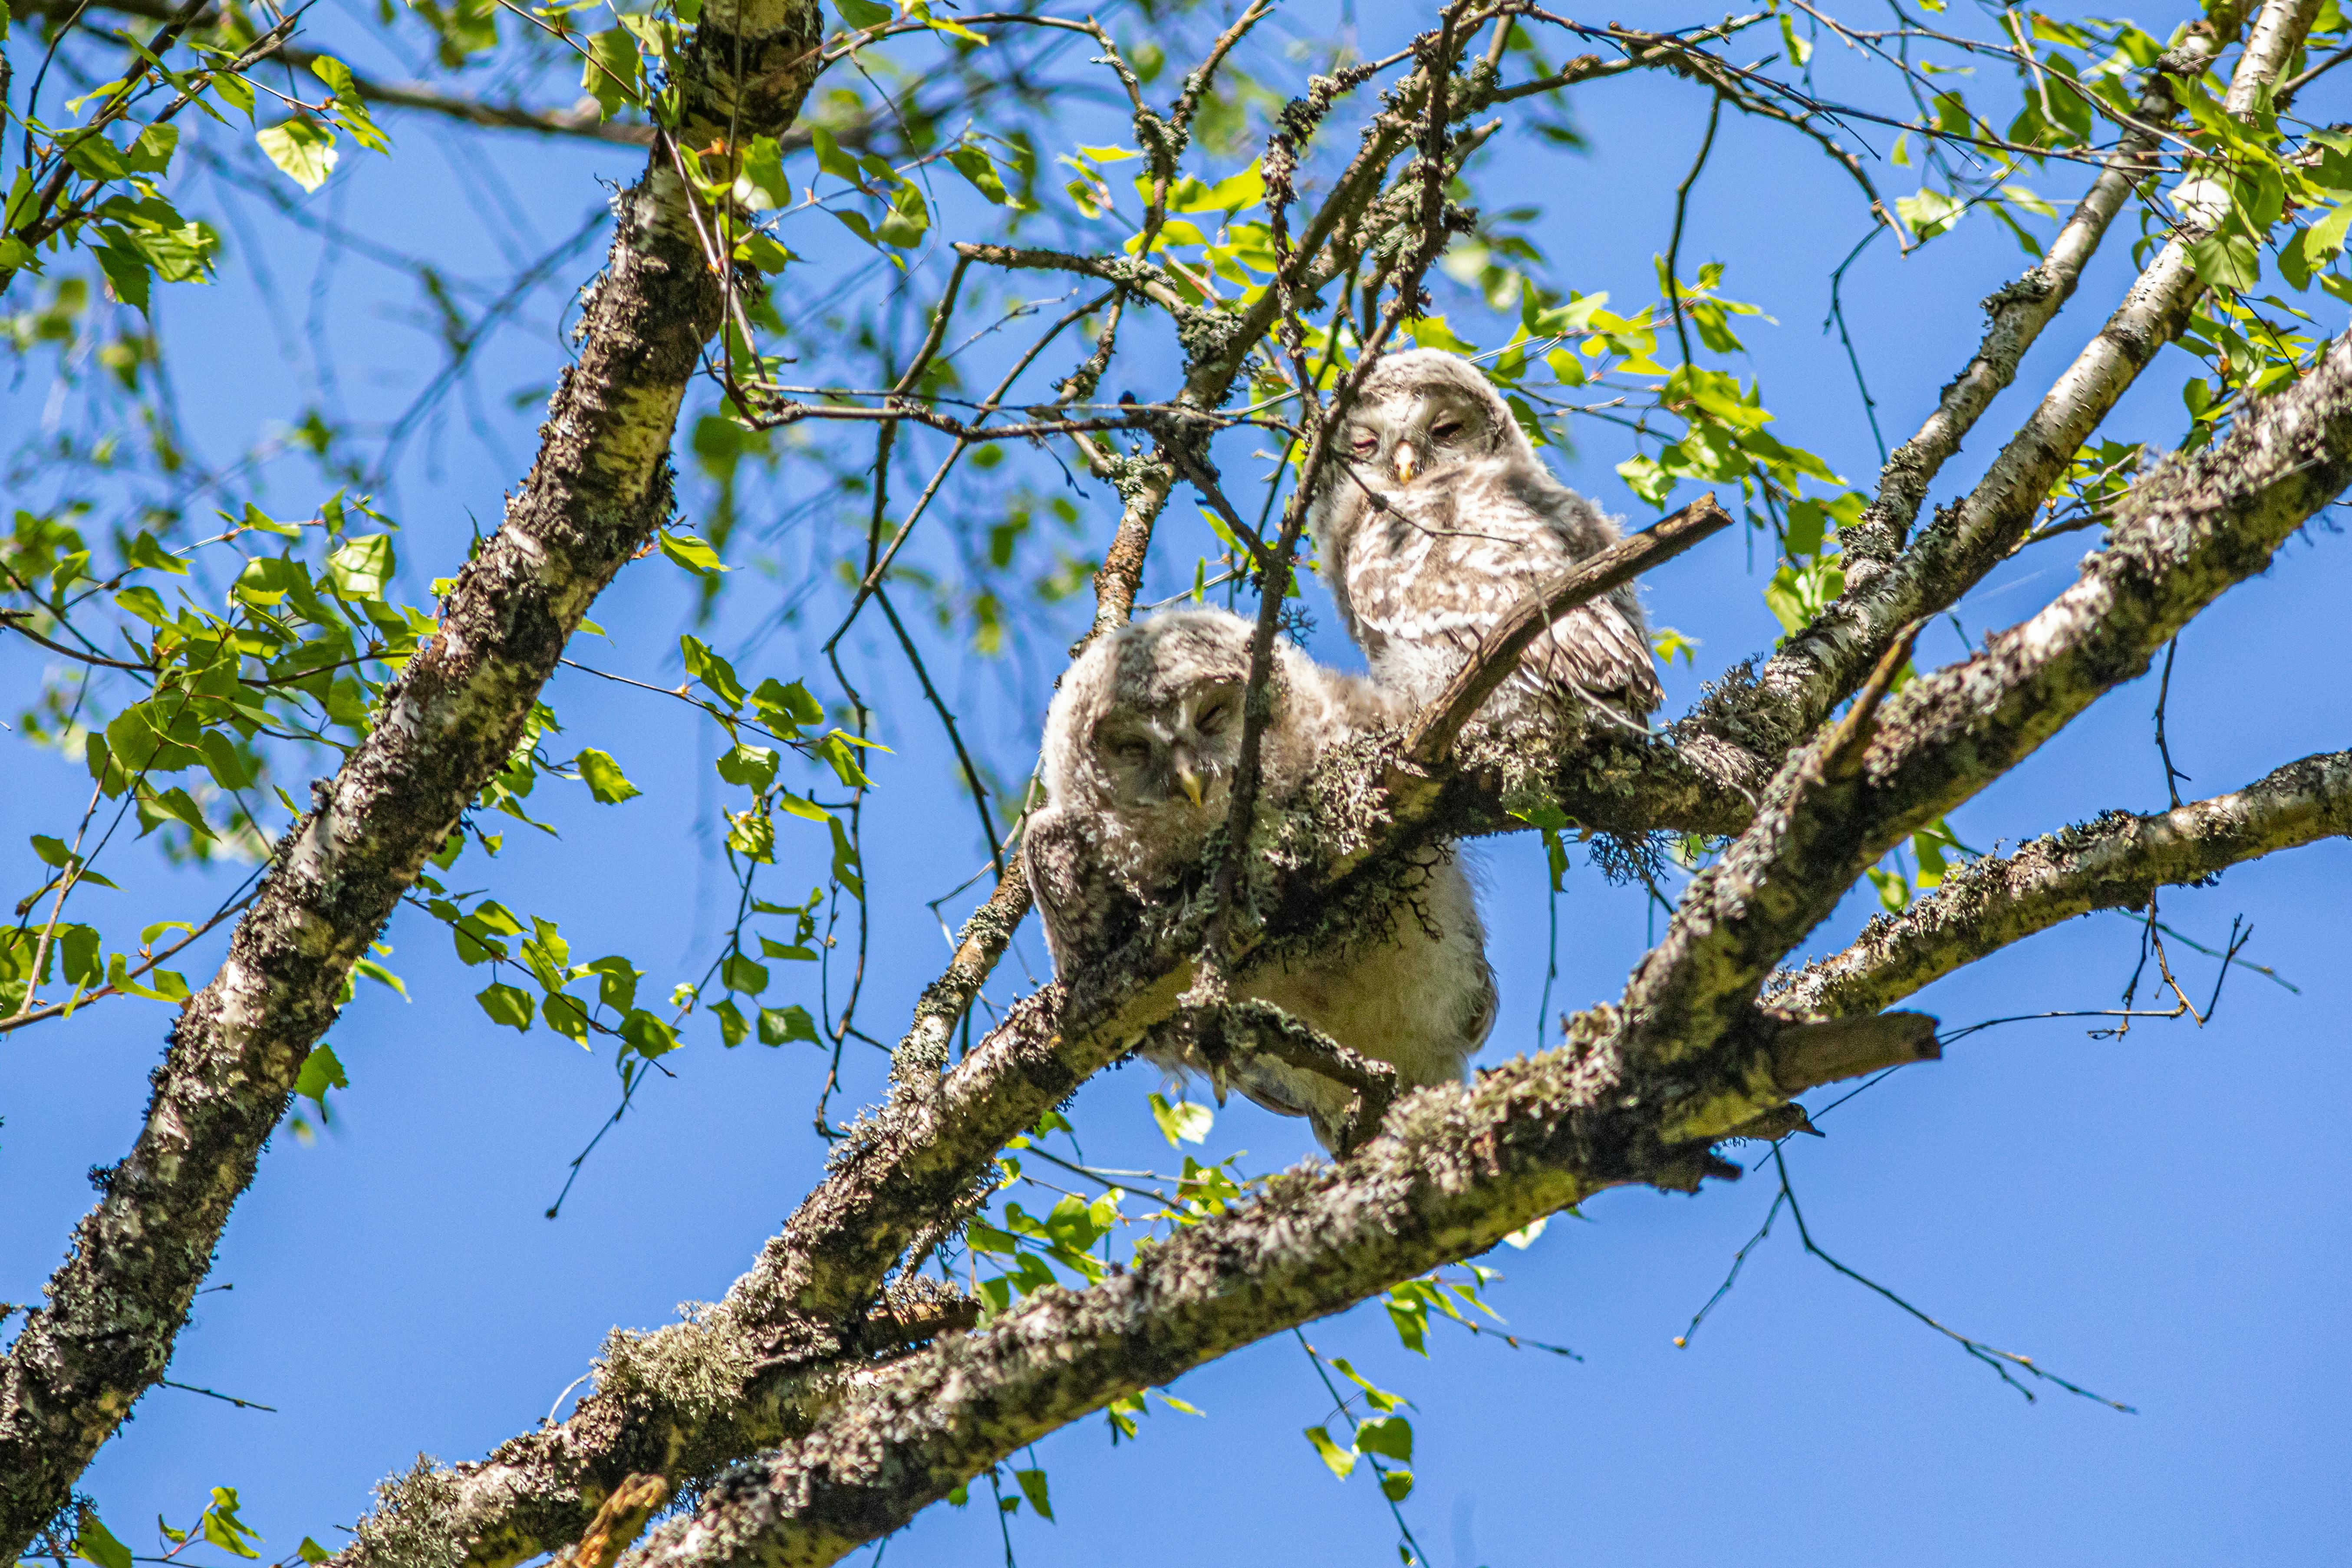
(1205, 733)
(1446, 427)
(1135, 755)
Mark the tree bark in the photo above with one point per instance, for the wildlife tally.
(447, 722)
(1627, 1099)
(1823, 663)
(2114, 863)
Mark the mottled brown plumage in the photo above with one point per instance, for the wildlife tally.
(1435, 517)
(1140, 745)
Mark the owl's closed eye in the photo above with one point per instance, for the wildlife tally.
(1140, 747)
(1439, 518)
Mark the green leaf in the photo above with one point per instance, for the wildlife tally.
(350, 108)
(508, 1005)
(1182, 1122)
(2323, 239)
(142, 551)
(321, 1070)
(733, 1030)
(146, 604)
(1389, 1437)
(975, 165)
(603, 775)
(1342, 1461)
(1397, 1485)
(1409, 1313)
(713, 671)
(1032, 1486)
(609, 73)
(93, 1543)
(760, 180)
(304, 150)
(126, 273)
(174, 805)
(648, 1036)
(781, 1026)
(862, 13)
(221, 760)
(224, 1528)
(368, 969)
(52, 851)
(743, 976)
(784, 706)
(362, 567)
(1930, 213)
(2230, 261)
(754, 766)
(689, 552)
(616, 982)
(312, 1553)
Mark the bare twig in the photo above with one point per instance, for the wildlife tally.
(1498, 651)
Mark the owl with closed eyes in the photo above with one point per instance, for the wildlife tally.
(1140, 747)
(1435, 517)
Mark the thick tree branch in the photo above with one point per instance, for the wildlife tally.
(2183, 535)
(1825, 661)
(1458, 1170)
(1636, 1096)
(2019, 310)
(599, 488)
(2113, 863)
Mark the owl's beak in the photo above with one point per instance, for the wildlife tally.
(1188, 776)
(1407, 460)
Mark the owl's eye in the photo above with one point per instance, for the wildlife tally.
(1447, 429)
(1212, 718)
(1364, 443)
(1131, 752)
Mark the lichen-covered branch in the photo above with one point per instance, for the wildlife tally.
(1636, 1096)
(600, 487)
(2019, 310)
(2113, 863)
(1458, 1169)
(2182, 534)
(1824, 662)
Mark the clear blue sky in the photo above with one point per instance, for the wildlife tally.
(2158, 1217)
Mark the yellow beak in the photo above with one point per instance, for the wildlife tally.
(1408, 462)
(1189, 777)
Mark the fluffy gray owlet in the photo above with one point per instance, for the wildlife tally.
(1140, 747)
(1437, 517)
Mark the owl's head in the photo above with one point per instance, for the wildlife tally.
(1149, 720)
(1422, 412)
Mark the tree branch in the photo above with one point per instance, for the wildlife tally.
(1825, 661)
(1637, 1094)
(1499, 652)
(1460, 1169)
(600, 487)
(2019, 310)
(2183, 535)
(2112, 863)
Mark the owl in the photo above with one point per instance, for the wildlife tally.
(1435, 517)
(1140, 747)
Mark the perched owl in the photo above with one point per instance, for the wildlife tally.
(1140, 747)
(1435, 517)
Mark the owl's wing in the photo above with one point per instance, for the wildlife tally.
(1433, 571)
(1597, 650)
(1066, 878)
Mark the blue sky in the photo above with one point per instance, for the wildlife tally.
(2154, 1217)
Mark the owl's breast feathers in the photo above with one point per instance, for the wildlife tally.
(1432, 571)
